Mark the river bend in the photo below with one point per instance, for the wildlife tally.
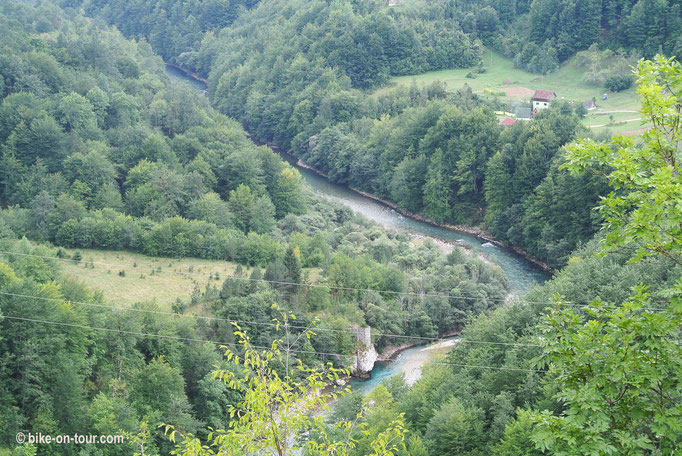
(522, 274)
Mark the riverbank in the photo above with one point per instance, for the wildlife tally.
(474, 231)
(188, 73)
(407, 360)
(445, 247)
(391, 351)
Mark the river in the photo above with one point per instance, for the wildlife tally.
(522, 274)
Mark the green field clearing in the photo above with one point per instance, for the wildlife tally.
(146, 278)
(623, 123)
(623, 128)
(598, 118)
(567, 82)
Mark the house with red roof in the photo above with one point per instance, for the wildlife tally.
(508, 122)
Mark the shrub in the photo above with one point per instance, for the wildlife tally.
(178, 306)
(618, 83)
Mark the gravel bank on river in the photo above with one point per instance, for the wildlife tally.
(412, 367)
(474, 231)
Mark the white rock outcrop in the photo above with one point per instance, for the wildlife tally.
(366, 354)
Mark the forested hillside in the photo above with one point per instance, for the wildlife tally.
(101, 150)
(588, 364)
(291, 71)
(356, 37)
(174, 29)
(416, 35)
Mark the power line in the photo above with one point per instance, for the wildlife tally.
(470, 366)
(161, 336)
(331, 287)
(277, 282)
(189, 339)
(160, 312)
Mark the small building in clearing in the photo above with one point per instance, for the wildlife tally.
(508, 122)
(589, 105)
(522, 113)
(541, 99)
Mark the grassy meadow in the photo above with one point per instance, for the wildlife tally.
(145, 278)
(567, 82)
(148, 278)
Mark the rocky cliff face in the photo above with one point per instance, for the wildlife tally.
(366, 355)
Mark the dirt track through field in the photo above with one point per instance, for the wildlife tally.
(518, 92)
(607, 125)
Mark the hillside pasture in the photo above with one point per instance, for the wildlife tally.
(144, 278)
(567, 82)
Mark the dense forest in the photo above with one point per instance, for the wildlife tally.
(286, 71)
(408, 38)
(99, 149)
(172, 28)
